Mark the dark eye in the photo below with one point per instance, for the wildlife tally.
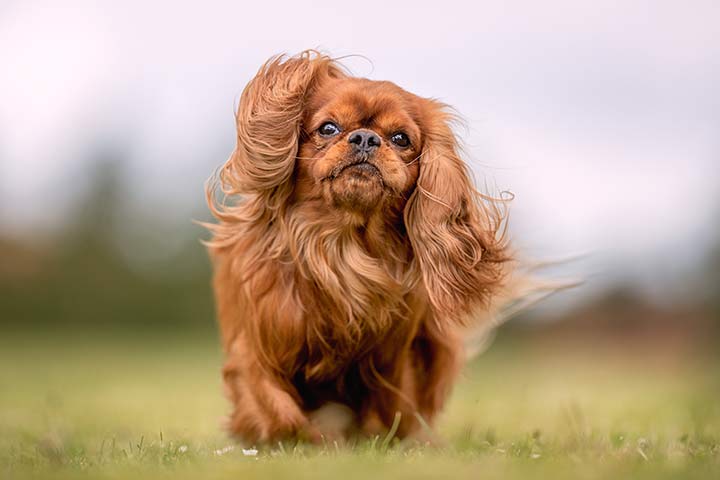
(400, 139)
(328, 129)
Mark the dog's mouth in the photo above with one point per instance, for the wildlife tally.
(360, 168)
(364, 167)
(355, 184)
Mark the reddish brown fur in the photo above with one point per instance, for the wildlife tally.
(342, 285)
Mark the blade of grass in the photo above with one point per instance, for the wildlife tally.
(391, 434)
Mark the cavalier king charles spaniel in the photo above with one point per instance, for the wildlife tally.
(352, 253)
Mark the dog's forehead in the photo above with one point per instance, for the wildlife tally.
(361, 100)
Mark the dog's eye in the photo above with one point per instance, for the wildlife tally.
(328, 129)
(400, 139)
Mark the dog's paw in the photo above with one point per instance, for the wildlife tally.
(333, 421)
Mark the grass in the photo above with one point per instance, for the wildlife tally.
(144, 408)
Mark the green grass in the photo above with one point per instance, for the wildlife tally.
(144, 408)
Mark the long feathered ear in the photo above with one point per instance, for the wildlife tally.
(269, 119)
(452, 227)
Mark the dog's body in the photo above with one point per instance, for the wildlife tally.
(357, 251)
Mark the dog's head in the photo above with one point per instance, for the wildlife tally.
(308, 131)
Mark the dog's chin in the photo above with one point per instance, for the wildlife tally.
(357, 188)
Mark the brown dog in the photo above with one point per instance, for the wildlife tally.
(356, 248)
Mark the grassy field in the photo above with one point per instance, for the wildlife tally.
(143, 408)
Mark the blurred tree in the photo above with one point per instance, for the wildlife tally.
(84, 282)
(712, 283)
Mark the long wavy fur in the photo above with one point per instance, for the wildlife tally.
(304, 301)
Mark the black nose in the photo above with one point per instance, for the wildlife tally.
(364, 140)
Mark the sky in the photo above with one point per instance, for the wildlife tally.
(602, 118)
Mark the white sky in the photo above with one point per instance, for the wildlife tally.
(602, 117)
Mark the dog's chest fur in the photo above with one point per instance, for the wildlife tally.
(360, 303)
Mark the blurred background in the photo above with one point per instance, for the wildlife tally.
(601, 119)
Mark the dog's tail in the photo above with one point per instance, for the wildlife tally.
(525, 288)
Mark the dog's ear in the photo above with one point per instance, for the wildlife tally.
(269, 119)
(453, 228)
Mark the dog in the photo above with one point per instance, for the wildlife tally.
(350, 250)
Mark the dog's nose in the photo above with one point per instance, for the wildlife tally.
(364, 140)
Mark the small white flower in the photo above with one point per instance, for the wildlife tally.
(182, 448)
(250, 452)
(224, 450)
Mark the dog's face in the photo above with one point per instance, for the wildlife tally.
(361, 144)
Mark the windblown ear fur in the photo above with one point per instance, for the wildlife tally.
(268, 125)
(452, 227)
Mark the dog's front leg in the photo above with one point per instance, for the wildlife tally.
(265, 406)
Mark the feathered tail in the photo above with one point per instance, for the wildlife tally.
(525, 287)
